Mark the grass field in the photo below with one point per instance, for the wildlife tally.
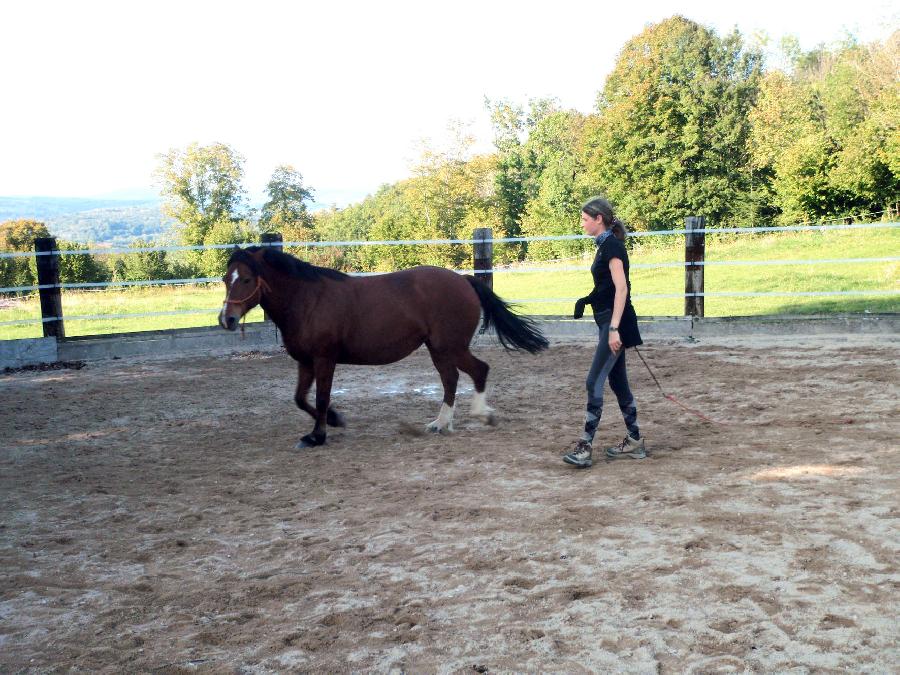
(520, 286)
(827, 245)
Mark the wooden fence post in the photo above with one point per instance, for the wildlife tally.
(271, 240)
(51, 297)
(483, 255)
(694, 252)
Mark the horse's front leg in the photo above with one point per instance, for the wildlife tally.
(324, 373)
(305, 375)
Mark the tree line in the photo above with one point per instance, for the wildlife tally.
(687, 123)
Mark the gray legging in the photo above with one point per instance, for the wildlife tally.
(611, 365)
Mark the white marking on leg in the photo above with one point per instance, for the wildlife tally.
(444, 421)
(481, 409)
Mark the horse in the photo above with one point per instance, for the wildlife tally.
(327, 317)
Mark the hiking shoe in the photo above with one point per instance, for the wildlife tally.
(629, 447)
(580, 456)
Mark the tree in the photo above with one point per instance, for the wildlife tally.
(450, 195)
(352, 223)
(213, 261)
(515, 179)
(286, 206)
(141, 265)
(394, 213)
(554, 147)
(672, 134)
(827, 132)
(82, 268)
(202, 186)
(19, 236)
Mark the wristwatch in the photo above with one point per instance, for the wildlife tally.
(613, 329)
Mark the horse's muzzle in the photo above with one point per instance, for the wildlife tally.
(230, 323)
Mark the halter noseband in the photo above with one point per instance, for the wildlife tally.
(260, 286)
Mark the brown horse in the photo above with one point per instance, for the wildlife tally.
(327, 317)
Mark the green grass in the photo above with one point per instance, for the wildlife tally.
(834, 244)
(134, 300)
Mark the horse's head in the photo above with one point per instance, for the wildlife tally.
(244, 287)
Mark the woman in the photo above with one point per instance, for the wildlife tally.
(617, 321)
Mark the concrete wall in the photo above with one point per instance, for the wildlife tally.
(160, 343)
(263, 336)
(668, 327)
(27, 352)
(796, 325)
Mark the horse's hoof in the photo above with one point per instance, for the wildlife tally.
(484, 414)
(310, 441)
(435, 429)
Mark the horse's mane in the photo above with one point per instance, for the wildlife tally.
(284, 263)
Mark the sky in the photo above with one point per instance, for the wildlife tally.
(345, 92)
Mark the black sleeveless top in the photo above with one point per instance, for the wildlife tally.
(603, 296)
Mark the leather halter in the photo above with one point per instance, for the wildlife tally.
(260, 286)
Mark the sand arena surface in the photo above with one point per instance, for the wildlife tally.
(154, 516)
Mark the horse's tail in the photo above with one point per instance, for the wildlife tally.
(513, 331)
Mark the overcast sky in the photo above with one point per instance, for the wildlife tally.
(343, 91)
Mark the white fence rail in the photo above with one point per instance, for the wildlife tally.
(687, 264)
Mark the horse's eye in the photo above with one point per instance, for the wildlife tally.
(246, 281)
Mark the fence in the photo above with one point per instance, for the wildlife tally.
(52, 319)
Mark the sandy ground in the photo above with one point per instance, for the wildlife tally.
(155, 516)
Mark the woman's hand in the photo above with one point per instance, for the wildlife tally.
(617, 270)
(615, 342)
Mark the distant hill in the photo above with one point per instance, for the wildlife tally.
(101, 221)
(116, 222)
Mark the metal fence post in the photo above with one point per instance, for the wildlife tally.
(483, 255)
(271, 240)
(51, 296)
(694, 252)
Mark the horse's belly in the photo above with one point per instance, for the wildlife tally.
(379, 354)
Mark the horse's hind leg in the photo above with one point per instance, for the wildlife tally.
(478, 371)
(449, 378)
